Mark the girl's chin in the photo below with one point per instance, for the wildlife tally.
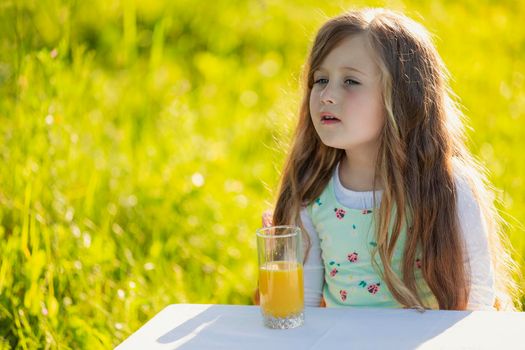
(333, 144)
(341, 142)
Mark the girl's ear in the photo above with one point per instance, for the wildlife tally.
(267, 218)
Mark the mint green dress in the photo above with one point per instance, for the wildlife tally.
(347, 237)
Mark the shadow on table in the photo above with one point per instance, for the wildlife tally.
(213, 327)
(357, 328)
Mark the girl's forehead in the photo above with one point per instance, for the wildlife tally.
(351, 54)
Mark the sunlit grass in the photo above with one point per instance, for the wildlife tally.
(139, 147)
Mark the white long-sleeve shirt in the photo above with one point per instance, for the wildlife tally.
(476, 259)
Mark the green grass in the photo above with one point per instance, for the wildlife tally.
(139, 147)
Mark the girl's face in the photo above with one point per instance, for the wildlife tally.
(347, 86)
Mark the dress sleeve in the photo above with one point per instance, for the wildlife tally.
(313, 267)
(477, 258)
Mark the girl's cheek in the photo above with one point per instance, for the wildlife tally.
(313, 97)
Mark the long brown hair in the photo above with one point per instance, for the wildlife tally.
(422, 151)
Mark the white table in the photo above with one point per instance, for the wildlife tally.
(197, 326)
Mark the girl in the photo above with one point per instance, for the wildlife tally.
(394, 209)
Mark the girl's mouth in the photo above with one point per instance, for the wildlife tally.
(329, 119)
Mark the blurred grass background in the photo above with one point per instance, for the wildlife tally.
(141, 140)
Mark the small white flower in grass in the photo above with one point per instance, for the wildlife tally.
(44, 309)
(40, 218)
(196, 241)
(69, 214)
(242, 201)
(234, 252)
(87, 240)
(117, 229)
(67, 301)
(119, 326)
(128, 201)
(233, 186)
(177, 269)
(149, 266)
(132, 200)
(193, 220)
(49, 119)
(132, 285)
(249, 98)
(269, 67)
(33, 166)
(197, 179)
(74, 138)
(121, 294)
(207, 268)
(76, 231)
(219, 230)
(77, 264)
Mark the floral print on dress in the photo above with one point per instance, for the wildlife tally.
(339, 213)
(373, 288)
(334, 271)
(352, 257)
(346, 237)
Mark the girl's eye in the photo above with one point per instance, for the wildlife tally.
(321, 81)
(351, 82)
(347, 81)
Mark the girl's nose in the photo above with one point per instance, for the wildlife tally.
(328, 95)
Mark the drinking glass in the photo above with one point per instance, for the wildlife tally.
(281, 286)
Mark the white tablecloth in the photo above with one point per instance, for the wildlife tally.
(197, 326)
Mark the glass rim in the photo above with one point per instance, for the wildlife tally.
(295, 231)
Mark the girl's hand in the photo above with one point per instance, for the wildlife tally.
(266, 222)
(323, 303)
(267, 218)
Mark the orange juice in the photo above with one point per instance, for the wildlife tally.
(281, 288)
